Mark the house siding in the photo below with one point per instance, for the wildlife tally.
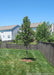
(9, 34)
(14, 33)
(52, 28)
(4, 35)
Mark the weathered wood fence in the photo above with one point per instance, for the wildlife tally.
(47, 49)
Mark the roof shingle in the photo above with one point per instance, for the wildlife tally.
(35, 25)
(7, 27)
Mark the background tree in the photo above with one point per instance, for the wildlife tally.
(51, 38)
(42, 32)
(17, 38)
(26, 33)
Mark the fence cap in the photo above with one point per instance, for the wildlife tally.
(47, 42)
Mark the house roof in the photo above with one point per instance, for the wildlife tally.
(8, 27)
(35, 25)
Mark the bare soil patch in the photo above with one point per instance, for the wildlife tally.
(28, 59)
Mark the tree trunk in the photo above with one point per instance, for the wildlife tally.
(26, 52)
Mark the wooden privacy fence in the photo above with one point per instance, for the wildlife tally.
(47, 49)
(18, 46)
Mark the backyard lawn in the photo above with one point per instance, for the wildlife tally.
(11, 63)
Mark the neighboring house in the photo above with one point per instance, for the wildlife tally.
(52, 28)
(35, 25)
(8, 33)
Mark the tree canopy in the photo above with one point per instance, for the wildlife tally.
(42, 32)
(26, 32)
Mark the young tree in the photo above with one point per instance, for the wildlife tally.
(26, 33)
(42, 33)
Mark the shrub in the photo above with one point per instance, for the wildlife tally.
(51, 38)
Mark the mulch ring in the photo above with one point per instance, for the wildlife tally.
(28, 59)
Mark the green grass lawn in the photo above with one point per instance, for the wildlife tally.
(11, 64)
(34, 42)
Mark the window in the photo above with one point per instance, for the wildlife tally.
(34, 28)
(8, 36)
